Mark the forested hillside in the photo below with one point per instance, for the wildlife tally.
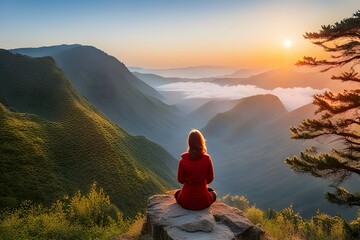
(53, 142)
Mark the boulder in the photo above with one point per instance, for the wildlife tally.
(166, 220)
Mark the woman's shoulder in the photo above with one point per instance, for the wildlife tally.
(186, 156)
(206, 156)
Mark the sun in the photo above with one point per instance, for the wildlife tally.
(287, 43)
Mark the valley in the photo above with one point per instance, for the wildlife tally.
(248, 137)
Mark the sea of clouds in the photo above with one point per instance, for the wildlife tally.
(292, 98)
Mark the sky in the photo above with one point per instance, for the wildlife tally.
(175, 33)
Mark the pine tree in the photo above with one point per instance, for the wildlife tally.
(339, 113)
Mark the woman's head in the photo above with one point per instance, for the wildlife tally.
(196, 144)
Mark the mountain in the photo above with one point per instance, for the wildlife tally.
(243, 73)
(188, 72)
(53, 142)
(245, 118)
(156, 80)
(287, 78)
(45, 51)
(108, 85)
(152, 79)
(248, 145)
(89, 57)
(208, 110)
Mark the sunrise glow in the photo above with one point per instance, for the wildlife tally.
(287, 43)
(165, 34)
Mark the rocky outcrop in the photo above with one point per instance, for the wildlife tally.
(166, 220)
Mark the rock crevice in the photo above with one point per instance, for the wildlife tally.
(166, 220)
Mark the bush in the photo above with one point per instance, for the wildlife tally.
(281, 228)
(354, 228)
(322, 226)
(239, 202)
(90, 216)
(134, 231)
(288, 224)
(255, 215)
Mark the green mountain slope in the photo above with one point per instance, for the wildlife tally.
(113, 89)
(54, 142)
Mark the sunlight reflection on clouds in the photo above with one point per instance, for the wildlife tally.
(292, 98)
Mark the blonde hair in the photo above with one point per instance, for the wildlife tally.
(196, 144)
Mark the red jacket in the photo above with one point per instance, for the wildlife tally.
(195, 174)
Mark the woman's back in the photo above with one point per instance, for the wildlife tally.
(195, 170)
(195, 174)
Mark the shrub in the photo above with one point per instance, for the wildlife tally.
(135, 228)
(255, 215)
(354, 228)
(288, 224)
(239, 202)
(90, 216)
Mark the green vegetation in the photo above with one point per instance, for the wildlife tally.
(287, 224)
(109, 86)
(134, 230)
(340, 119)
(53, 143)
(89, 216)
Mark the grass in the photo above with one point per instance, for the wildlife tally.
(134, 230)
(289, 225)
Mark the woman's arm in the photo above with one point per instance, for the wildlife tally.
(210, 173)
(180, 175)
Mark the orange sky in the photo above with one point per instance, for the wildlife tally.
(161, 34)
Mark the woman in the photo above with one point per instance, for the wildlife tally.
(195, 172)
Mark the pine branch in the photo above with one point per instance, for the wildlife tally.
(312, 62)
(323, 166)
(351, 143)
(329, 36)
(347, 77)
(343, 197)
(348, 49)
(347, 28)
(350, 156)
(314, 128)
(333, 104)
(354, 148)
(348, 46)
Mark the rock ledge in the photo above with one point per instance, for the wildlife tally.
(166, 220)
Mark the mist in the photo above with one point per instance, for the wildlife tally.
(292, 98)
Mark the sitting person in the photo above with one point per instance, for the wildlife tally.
(195, 171)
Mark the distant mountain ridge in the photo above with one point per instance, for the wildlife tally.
(44, 51)
(156, 80)
(53, 142)
(286, 78)
(188, 72)
(113, 89)
(243, 73)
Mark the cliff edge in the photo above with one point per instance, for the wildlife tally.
(166, 220)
